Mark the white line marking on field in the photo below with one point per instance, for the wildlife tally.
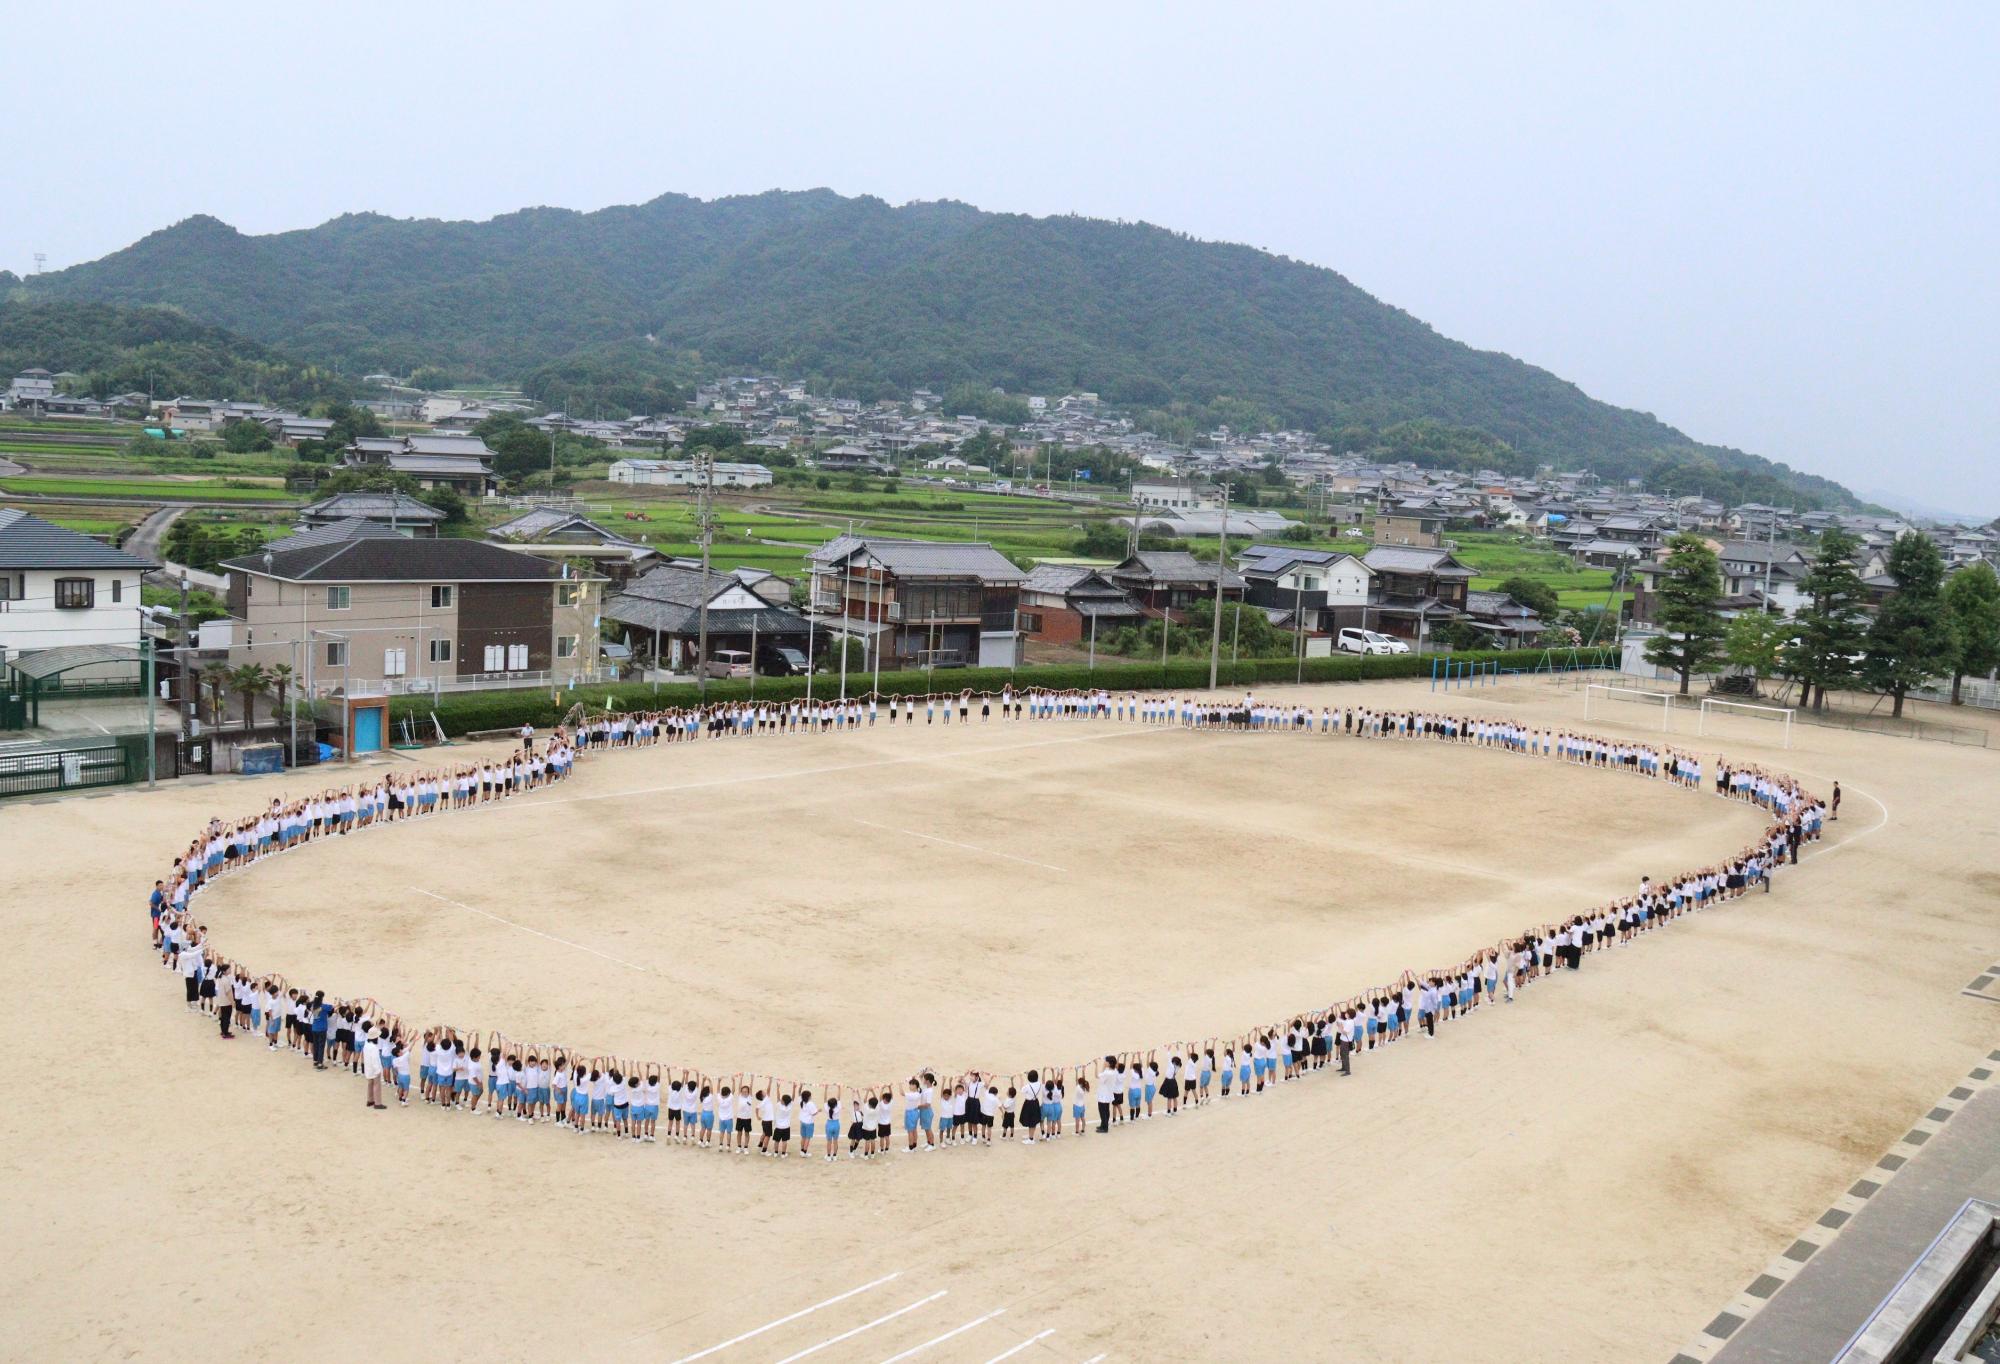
(1094, 1359)
(1877, 827)
(988, 852)
(781, 1321)
(938, 1340)
(1010, 1353)
(849, 1335)
(525, 929)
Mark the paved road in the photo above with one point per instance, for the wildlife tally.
(144, 540)
(9, 469)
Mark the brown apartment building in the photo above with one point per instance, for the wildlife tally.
(357, 605)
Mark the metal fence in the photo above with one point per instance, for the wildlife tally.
(52, 769)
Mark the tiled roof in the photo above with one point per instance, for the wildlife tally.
(387, 506)
(540, 522)
(339, 533)
(1406, 559)
(1173, 566)
(925, 558)
(30, 542)
(679, 618)
(399, 559)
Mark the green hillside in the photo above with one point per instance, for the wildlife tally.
(869, 299)
(152, 350)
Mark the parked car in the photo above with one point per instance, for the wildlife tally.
(781, 660)
(727, 663)
(1352, 641)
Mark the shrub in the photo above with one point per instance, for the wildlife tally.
(463, 712)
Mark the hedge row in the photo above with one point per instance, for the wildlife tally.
(464, 712)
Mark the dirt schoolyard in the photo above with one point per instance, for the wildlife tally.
(1582, 1176)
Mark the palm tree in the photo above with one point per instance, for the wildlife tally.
(249, 681)
(217, 677)
(281, 683)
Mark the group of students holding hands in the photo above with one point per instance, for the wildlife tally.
(465, 1072)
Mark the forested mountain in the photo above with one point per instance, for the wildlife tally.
(866, 299)
(152, 350)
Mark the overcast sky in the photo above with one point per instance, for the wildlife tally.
(1774, 225)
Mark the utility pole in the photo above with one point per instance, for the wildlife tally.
(704, 469)
(846, 592)
(151, 648)
(1221, 570)
(1770, 549)
(181, 656)
(1298, 621)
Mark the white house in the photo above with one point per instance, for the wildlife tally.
(32, 386)
(676, 473)
(59, 588)
(1175, 494)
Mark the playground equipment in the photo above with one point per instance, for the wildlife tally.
(1448, 672)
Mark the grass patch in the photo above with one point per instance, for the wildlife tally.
(155, 490)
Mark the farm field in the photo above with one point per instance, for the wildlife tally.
(174, 489)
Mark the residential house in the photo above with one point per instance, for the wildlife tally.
(31, 387)
(852, 459)
(288, 428)
(60, 589)
(1321, 589)
(681, 473)
(1410, 524)
(659, 615)
(1415, 590)
(918, 602)
(559, 534)
(1168, 582)
(461, 462)
(1175, 495)
(400, 512)
(1074, 604)
(357, 607)
(1507, 623)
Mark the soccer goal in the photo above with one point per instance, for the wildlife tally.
(1603, 695)
(1781, 714)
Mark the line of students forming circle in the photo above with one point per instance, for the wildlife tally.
(463, 1072)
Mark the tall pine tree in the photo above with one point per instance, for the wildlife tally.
(1972, 599)
(1833, 629)
(1910, 641)
(1693, 628)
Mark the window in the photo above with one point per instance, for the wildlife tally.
(567, 594)
(441, 597)
(1031, 621)
(395, 662)
(117, 589)
(339, 598)
(565, 646)
(336, 653)
(75, 594)
(440, 651)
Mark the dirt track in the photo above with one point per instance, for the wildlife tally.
(1583, 1176)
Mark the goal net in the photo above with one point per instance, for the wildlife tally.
(1606, 699)
(1716, 707)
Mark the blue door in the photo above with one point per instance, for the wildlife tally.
(368, 729)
